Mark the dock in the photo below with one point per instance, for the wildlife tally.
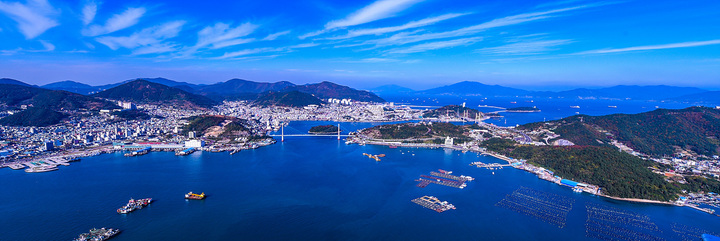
(489, 166)
(443, 178)
(17, 166)
(433, 203)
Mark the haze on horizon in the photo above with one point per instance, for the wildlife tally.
(414, 43)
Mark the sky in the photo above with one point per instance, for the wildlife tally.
(420, 44)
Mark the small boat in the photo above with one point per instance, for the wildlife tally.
(195, 196)
(575, 106)
(42, 169)
(612, 106)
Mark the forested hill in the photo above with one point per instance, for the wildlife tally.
(452, 111)
(142, 91)
(659, 132)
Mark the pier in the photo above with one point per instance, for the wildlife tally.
(489, 166)
(443, 178)
(433, 203)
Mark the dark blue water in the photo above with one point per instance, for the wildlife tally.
(307, 188)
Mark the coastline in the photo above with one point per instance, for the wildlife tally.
(511, 160)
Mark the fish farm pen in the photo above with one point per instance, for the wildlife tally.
(607, 223)
(548, 207)
(687, 233)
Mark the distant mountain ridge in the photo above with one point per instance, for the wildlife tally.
(634, 92)
(143, 91)
(235, 89)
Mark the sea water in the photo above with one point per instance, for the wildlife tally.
(306, 188)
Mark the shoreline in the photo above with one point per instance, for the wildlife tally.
(510, 161)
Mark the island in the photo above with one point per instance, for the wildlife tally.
(523, 109)
(324, 129)
(625, 157)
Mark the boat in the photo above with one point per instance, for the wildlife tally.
(612, 106)
(41, 169)
(98, 234)
(577, 189)
(195, 196)
(575, 106)
(133, 205)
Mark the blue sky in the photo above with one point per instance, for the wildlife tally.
(415, 43)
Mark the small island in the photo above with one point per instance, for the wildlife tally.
(523, 109)
(323, 129)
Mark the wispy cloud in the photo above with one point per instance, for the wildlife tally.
(246, 52)
(48, 46)
(276, 35)
(126, 19)
(377, 10)
(525, 47)
(88, 12)
(405, 38)
(222, 35)
(153, 36)
(410, 25)
(33, 18)
(654, 47)
(436, 45)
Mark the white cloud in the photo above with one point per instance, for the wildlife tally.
(377, 10)
(405, 38)
(33, 18)
(155, 49)
(525, 47)
(245, 52)
(276, 35)
(146, 37)
(89, 12)
(117, 22)
(654, 47)
(410, 25)
(221, 33)
(48, 46)
(436, 45)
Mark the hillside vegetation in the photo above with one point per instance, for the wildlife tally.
(659, 132)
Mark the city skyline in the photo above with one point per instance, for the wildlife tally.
(413, 43)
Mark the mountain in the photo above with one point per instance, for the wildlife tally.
(72, 86)
(237, 86)
(658, 133)
(288, 99)
(391, 90)
(476, 88)
(652, 92)
(325, 90)
(707, 97)
(12, 82)
(34, 116)
(162, 81)
(13, 95)
(143, 91)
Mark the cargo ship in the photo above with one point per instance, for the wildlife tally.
(133, 205)
(433, 203)
(98, 234)
(195, 196)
